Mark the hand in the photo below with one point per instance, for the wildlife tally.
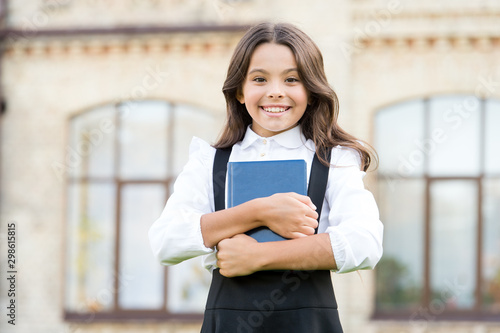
(290, 215)
(235, 256)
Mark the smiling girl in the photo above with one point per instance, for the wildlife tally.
(279, 107)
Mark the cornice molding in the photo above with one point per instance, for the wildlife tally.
(81, 44)
(422, 43)
(431, 14)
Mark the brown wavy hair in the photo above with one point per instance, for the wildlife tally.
(319, 122)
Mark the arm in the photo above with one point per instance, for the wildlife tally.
(242, 255)
(351, 239)
(355, 229)
(189, 227)
(228, 222)
(289, 214)
(176, 236)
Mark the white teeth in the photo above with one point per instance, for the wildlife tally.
(275, 109)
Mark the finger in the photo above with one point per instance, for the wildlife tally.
(312, 214)
(304, 199)
(226, 273)
(303, 231)
(238, 236)
(246, 238)
(306, 230)
(309, 227)
(297, 234)
(221, 244)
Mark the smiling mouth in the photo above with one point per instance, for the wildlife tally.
(275, 109)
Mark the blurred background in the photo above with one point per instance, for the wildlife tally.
(100, 99)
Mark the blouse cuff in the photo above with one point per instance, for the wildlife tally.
(339, 246)
(190, 243)
(199, 236)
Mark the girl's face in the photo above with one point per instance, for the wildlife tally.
(272, 91)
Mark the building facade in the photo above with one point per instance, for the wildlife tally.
(100, 100)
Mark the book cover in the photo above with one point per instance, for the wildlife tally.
(258, 179)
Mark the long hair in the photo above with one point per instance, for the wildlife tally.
(319, 122)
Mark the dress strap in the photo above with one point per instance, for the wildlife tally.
(318, 181)
(219, 177)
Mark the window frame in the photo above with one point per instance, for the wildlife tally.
(424, 310)
(117, 313)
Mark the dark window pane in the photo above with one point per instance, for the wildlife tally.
(399, 273)
(491, 245)
(453, 141)
(453, 243)
(142, 284)
(90, 247)
(144, 140)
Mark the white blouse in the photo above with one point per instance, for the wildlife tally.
(349, 214)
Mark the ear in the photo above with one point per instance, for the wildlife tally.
(240, 97)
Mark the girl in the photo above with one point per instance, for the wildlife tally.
(279, 106)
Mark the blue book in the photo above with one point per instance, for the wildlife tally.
(258, 179)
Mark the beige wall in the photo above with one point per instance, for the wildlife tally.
(376, 53)
(44, 87)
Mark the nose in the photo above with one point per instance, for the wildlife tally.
(275, 90)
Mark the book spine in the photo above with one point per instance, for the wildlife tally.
(229, 195)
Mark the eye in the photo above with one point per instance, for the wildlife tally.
(291, 80)
(259, 79)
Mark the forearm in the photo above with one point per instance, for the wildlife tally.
(226, 223)
(307, 253)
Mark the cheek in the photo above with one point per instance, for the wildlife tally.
(302, 96)
(252, 96)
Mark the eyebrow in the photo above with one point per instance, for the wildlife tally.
(286, 71)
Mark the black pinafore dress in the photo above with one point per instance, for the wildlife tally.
(272, 301)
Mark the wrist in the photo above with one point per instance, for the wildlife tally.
(261, 257)
(256, 210)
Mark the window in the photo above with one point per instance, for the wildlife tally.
(439, 197)
(123, 160)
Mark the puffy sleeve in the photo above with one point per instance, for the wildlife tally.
(176, 235)
(355, 229)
